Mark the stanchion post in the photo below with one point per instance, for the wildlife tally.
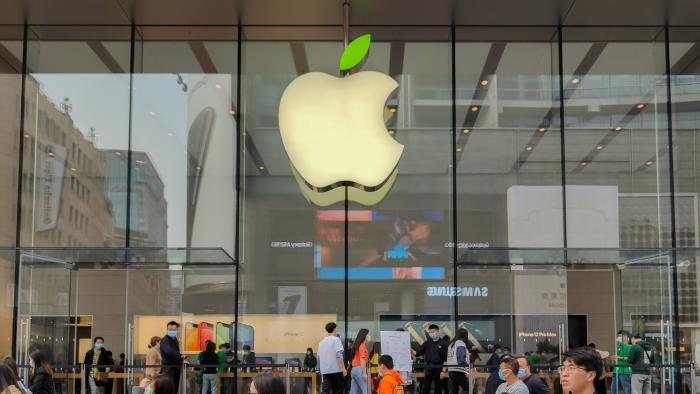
(83, 379)
(288, 378)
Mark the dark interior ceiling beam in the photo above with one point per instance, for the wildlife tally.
(301, 61)
(10, 64)
(106, 57)
(396, 60)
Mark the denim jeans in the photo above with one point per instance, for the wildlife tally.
(625, 380)
(358, 384)
(209, 383)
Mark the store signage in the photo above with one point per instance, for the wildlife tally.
(334, 132)
(51, 164)
(447, 291)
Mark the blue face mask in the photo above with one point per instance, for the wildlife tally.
(500, 375)
(99, 346)
(432, 335)
(521, 373)
(172, 333)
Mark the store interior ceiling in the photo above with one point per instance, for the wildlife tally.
(363, 12)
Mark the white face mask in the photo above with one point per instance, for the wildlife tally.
(369, 338)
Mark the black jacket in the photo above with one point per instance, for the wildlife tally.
(433, 352)
(170, 351)
(536, 385)
(102, 360)
(41, 382)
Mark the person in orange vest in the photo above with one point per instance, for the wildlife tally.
(391, 381)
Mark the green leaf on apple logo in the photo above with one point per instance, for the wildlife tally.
(355, 52)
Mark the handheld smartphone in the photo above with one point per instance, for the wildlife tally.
(223, 331)
(206, 333)
(289, 304)
(191, 337)
(198, 138)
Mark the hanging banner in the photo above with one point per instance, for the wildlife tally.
(51, 166)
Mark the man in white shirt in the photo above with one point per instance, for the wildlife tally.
(508, 371)
(330, 361)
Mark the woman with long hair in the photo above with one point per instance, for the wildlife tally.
(153, 358)
(8, 380)
(360, 358)
(374, 355)
(458, 359)
(162, 384)
(10, 362)
(209, 357)
(41, 381)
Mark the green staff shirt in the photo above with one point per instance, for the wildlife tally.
(623, 350)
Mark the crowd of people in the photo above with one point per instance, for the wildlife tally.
(444, 364)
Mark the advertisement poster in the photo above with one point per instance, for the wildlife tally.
(291, 300)
(49, 183)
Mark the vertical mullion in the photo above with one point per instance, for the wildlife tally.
(20, 171)
(132, 52)
(562, 140)
(453, 146)
(237, 238)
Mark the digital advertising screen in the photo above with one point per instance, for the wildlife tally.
(382, 244)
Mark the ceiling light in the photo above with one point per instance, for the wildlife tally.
(641, 105)
(151, 113)
(392, 109)
(392, 132)
(51, 154)
(466, 131)
(73, 169)
(475, 108)
(27, 136)
(232, 112)
(528, 148)
(649, 162)
(584, 163)
(261, 168)
(459, 149)
(170, 134)
(618, 129)
(541, 129)
(218, 86)
(599, 147)
(484, 82)
(118, 153)
(575, 81)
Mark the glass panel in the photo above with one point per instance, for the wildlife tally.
(76, 119)
(509, 190)
(183, 156)
(285, 299)
(10, 100)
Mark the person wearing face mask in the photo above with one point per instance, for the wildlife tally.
(41, 380)
(508, 371)
(434, 351)
(170, 354)
(622, 373)
(495, 359)
(360, 358)
(95, 361)
(534, 383)
(390, 379)
(310, 363)
(457, 355)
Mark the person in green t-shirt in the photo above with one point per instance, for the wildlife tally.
(622, 373)
(222, 354)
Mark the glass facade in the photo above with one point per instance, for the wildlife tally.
(546, 196)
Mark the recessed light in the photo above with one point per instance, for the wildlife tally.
(575, 81)
(261, 168)
(151, 113)
(599, 147)
(392, 109)
(584, 163)
(641, 105)
(459, 149)
(541, 129)
(118, 153)
(528, 148)
(649, 162)
(484, 82)
(170, 134)
(232, 112)
(466, 131)
(218, 86)
(73, 169)
(618, 129)
(475, 108)
(51, 154)
(392, 132)
(27, 136)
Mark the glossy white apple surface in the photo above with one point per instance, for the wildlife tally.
(333, 128)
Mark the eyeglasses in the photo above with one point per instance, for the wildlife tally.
(569, 369)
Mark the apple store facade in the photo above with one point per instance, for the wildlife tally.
(546, 195)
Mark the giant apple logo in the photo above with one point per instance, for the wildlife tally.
(334, 132)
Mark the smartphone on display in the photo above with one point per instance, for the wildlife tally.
(223, 331)
(191, 337)
(246, 336)
(198, 138)
(206, 333)
(289, 304)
